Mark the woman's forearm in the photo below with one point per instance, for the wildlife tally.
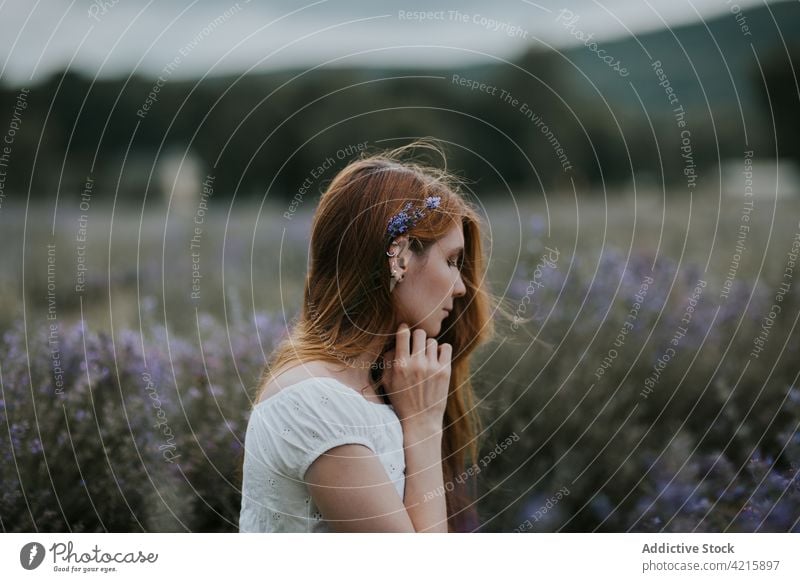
(424, 496)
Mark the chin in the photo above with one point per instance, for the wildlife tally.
(431, 328)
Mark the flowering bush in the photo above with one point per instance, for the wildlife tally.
(73, 461)
(712, 446)
(147, 433)
(143, 436)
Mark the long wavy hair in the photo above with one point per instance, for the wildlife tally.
(347, 302)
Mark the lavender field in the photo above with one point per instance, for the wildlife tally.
(651, 380)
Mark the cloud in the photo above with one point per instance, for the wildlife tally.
(110, 38)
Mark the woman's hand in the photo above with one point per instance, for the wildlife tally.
(417, 377)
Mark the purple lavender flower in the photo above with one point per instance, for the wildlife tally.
(401, 222)
(36, 446)
(432, 201)
(398, 224)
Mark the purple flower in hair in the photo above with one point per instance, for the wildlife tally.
(401, 222)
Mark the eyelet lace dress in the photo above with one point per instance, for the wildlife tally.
(285, 434)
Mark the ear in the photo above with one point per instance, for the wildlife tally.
(400, 252)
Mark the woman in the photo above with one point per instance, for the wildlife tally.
(365, 414)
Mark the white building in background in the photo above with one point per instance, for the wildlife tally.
(768, 177)
(180, 181)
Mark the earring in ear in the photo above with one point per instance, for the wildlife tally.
(394, 280)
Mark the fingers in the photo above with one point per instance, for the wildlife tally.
(402, 344)
(416, 343)
(418, 349)
(431, 351)
(445, 354)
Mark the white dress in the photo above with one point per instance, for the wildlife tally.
(287, 431)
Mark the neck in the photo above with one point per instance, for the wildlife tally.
(359, 368)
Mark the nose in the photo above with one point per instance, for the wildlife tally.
(459, 290)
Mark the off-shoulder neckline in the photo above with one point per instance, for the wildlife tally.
(317, 378)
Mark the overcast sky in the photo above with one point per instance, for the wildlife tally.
(109, 38)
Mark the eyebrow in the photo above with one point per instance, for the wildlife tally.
(459, 249)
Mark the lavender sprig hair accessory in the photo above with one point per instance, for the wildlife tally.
(402, 222)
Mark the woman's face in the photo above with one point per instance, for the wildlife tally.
(431, 283)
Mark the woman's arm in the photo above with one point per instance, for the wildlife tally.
(350, 487)
(352, 490)
(424, 490)
(349, 484)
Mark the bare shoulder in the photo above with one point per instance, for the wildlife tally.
(292, 375)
